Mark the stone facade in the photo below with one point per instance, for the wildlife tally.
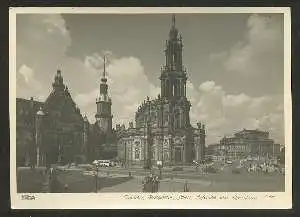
(250, 143)
(163, 131)
(52, 131)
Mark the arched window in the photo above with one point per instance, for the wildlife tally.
(173, 90)
(166, 155)
(137, 153)
(176, 119)
(137, 150)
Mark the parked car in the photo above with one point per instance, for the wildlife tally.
(102, 163)
(229, 162)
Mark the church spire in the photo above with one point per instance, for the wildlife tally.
(173, 20)
(175, 85)
(104, 79)
(103, 115)
(173, 31)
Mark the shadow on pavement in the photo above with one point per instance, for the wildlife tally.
(30, 181)
(33, 181)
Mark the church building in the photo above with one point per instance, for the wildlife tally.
(163, 132)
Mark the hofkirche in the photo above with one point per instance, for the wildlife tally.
(55, 131)
(163, 131)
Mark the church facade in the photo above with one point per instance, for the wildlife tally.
(163, 132)
(52, 131)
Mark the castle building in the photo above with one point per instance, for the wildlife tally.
(163, 131)
(102, 138)
(52, 131)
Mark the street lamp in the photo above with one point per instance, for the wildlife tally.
(149, 138)
(162, 128)
(160, 165)
(97, 165)
(38, 135)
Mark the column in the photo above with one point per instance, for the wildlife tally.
(167, 55)
(38, 140)
(163, 150)
(197, 153)
(171, 86)
(126, 152)
(173, 155)
(180, 87)
(167, 87)
(37, 156)
(163, 86)
(183, 152)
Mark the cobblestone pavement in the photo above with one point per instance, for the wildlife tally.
(113, 180)
(177, 185)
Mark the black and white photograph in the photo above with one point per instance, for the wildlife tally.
(168, 102)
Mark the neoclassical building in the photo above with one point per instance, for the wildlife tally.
(52, 131)
(163, 132)
(249, 143)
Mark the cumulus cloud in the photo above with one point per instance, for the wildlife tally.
(259, 52)
(43, 41)
(128, 86)
(26, 72)
(225, 113)
(94, 61)
(42, 44)
(28, 80)
(257, 56)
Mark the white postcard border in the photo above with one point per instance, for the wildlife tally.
(207, 200)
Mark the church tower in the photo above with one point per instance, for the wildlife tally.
(173, 76)
(103, 115)
(173, 82)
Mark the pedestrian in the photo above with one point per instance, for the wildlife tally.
(144, 184)
(160, 173)
(51, 180)
(186, 188)
(156, 184)
(152, 184)
(66, 186)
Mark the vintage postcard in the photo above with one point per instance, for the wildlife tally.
(160, 108)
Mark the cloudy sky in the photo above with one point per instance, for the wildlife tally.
(234, 64)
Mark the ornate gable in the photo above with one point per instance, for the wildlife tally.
(60, 105)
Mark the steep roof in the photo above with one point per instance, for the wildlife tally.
(26, 109)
